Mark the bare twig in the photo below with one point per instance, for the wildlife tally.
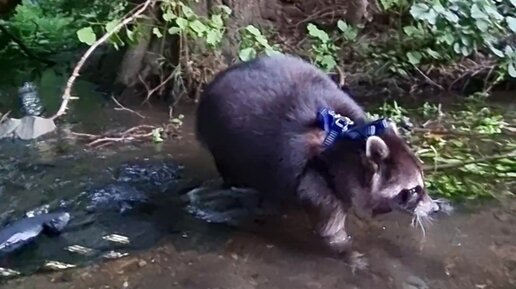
(429, 79)
(121, 107)
(4, 117)
(152, 91)
(67, 92)
(511, 154)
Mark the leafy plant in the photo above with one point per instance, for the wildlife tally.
(459, 28)
(323, 49)
(253, 42)
(179, 19)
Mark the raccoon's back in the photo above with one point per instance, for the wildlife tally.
(253, 117)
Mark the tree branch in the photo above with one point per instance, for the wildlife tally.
(67, 92)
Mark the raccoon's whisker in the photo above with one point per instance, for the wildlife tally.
(422, 226)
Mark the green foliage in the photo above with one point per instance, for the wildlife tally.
(323, 49)
(253, 42)
(460, 28)
(185, 21)
(178, 18)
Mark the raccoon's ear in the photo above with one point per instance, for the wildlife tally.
(376, 149)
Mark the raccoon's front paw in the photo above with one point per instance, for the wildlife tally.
(339, 242)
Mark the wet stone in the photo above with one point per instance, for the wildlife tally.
(151, 175)
(117, 196)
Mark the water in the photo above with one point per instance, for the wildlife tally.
(169, 248)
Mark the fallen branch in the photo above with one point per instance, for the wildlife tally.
(137, 133)
(511, 154)
(67, 91)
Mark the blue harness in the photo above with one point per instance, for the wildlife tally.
(338, 126)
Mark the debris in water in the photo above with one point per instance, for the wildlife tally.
(4, 272)
(79, 250)
(56, 265)
(117, 238)
(114, 255)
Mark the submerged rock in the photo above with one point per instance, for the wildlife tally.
(157, 175)
(118, 196)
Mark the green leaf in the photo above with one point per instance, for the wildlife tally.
(477, 13)
(217, 20)
(451, 17)
(410, 30)
(253, 30)
(496, 51)
(418, 10)
(110, 26)
(198, 27)
(212, 37)
(182, 23)
(225, 9)
(86, 35)
(434, 54)
(511, 22)
(431, 17)
(247, 54)
(482, 25)
(317, 33)
(168, 15)
(174, 30)
(513, 2)
(511, 69)
(343, 26)
(157, 32)
(271, 51)
(414, 57)
(187, 11)
(328, 62)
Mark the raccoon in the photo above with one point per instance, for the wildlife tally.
(258, 120)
